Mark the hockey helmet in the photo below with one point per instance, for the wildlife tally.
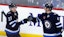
(50, 6)
(12, 5)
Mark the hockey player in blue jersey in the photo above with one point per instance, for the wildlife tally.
(13, 26)
(50, 21)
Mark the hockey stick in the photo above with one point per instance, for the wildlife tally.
(2, 13)
(1, 17)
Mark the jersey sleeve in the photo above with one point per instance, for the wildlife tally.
(9, 17)
(22, 22)
(58, 24)
(40, 16)
(17, 14)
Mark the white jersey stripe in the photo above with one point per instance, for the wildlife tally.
(12, 31)
(54, 34)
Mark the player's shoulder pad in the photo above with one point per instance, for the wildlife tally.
(39, 15)
(9, 13)
(56, 15)
(43, 13)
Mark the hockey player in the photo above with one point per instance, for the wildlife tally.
(50, 21)
(13, 26)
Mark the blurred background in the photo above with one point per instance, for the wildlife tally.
(56, 3)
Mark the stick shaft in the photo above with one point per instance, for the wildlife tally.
(1, 17)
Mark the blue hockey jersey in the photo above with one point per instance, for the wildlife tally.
(51, 24)
(13, 26)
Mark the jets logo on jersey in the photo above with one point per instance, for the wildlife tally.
(47, 24)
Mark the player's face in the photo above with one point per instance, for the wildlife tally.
(47, 10)
(13, 9)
